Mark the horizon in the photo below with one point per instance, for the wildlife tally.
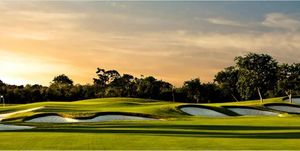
(172, 41)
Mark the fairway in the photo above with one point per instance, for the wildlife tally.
(174, 129)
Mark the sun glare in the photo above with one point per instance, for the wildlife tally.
(21, 69)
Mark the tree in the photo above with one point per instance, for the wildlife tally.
(227, 80)
(104, 78)
(193, 89)
(253, 74)
(124, 85)
(289, 79)
(145, 87)
(62, 80)
(54, 93)
(60, 88)
(211, 93)
(150, 87)
(257, 72)
(2, 88)
(33, 93)
(162, 90)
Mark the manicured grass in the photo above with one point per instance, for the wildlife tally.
(191, 133)
(160, 109)
(176, 131)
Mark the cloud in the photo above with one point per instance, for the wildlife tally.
(30, 35)
(47, 42)
(36, 24)
(280, 20)
(226, 22)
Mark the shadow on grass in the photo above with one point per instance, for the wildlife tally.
(211, 131)
(129, 125)
(62, 110)
(203, 127)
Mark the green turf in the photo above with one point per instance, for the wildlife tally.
(159, 109)
(176, 131)
(204, 133)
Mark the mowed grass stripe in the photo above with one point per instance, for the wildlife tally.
(191, 134)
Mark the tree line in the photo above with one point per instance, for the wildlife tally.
(253, 76)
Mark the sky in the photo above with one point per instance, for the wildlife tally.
(172, 41)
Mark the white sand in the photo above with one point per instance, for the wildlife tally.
(198, 111)
(101, 118)
(2, 116)
(52, 119)
(13, 127)
(294, 100)
(248, 111)
(116, 118)
(285, 108)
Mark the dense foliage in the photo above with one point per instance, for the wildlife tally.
(252, 76)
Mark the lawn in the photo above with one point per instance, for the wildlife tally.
(176, 130)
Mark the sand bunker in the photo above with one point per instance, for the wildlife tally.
(52, 119)
(101, 118)
(117, 118)
(251, 111)
(198, 111)
(294, 100)
(285, 108)
(13, 127)
(2, 116)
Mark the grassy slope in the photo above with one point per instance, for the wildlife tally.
(179, 132)
(160, 109)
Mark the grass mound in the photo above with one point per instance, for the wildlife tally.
(2, 116)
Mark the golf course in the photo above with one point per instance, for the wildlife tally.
(149, 75)
(143, 124)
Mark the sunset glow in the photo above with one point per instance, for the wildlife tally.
(173, 41)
